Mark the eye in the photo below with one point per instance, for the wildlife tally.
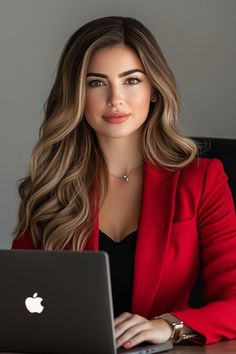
(134, 80)
(95, 83)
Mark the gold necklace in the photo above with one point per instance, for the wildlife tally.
(125, 178)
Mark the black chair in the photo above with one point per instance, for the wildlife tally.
(224, 150)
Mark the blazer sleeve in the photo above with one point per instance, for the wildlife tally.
(217, 236)
(24, 241)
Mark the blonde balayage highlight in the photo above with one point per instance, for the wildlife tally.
(68, 177)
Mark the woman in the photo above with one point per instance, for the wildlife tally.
(112, 171)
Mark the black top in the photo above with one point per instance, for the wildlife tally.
(121, 258)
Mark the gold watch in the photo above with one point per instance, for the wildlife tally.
(176, 324)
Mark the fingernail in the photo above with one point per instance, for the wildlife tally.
(127, 344)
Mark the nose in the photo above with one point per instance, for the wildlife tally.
(115, 96)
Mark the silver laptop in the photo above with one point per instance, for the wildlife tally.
(58, 302)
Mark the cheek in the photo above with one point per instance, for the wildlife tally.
(92, 103)
(139, 97)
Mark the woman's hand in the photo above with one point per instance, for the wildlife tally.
(131, 330)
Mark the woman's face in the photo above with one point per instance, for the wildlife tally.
(116, 82)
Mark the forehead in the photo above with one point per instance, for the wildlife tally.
(118, 57)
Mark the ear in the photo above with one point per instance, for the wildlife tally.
(154, 97)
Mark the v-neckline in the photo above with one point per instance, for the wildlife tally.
(127, 238)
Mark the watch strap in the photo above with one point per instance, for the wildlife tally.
(176, 324)
(183, 337)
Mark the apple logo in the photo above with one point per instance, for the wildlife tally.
(33, 304)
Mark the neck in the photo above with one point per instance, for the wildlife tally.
(122, 154)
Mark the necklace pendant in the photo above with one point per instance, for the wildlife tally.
(126, 178)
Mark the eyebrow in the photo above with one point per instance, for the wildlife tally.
(125, 73)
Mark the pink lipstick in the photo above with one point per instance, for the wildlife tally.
(116, 117)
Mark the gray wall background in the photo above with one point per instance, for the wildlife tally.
(196, 36)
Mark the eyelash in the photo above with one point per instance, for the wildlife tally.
(130, 78)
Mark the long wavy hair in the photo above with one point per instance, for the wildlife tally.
(68, 174)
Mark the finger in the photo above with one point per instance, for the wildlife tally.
(132, 332)
(122, 317)
(143, 336)
(129, 322)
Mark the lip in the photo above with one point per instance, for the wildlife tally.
(116, 117)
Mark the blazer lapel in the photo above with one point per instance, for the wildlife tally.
(156, 215)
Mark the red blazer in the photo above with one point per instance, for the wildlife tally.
(187, 222)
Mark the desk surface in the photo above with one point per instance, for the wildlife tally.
(228, 346)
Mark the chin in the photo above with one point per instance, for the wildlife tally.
(119, 135)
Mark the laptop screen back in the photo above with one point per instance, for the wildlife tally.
(55, 302)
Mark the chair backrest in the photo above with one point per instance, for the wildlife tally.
(224, 150)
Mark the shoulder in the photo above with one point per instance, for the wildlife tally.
(203, 174)
(198, 169)
(23, 241)
(203, 167)
(202, 179)
(200, 176)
